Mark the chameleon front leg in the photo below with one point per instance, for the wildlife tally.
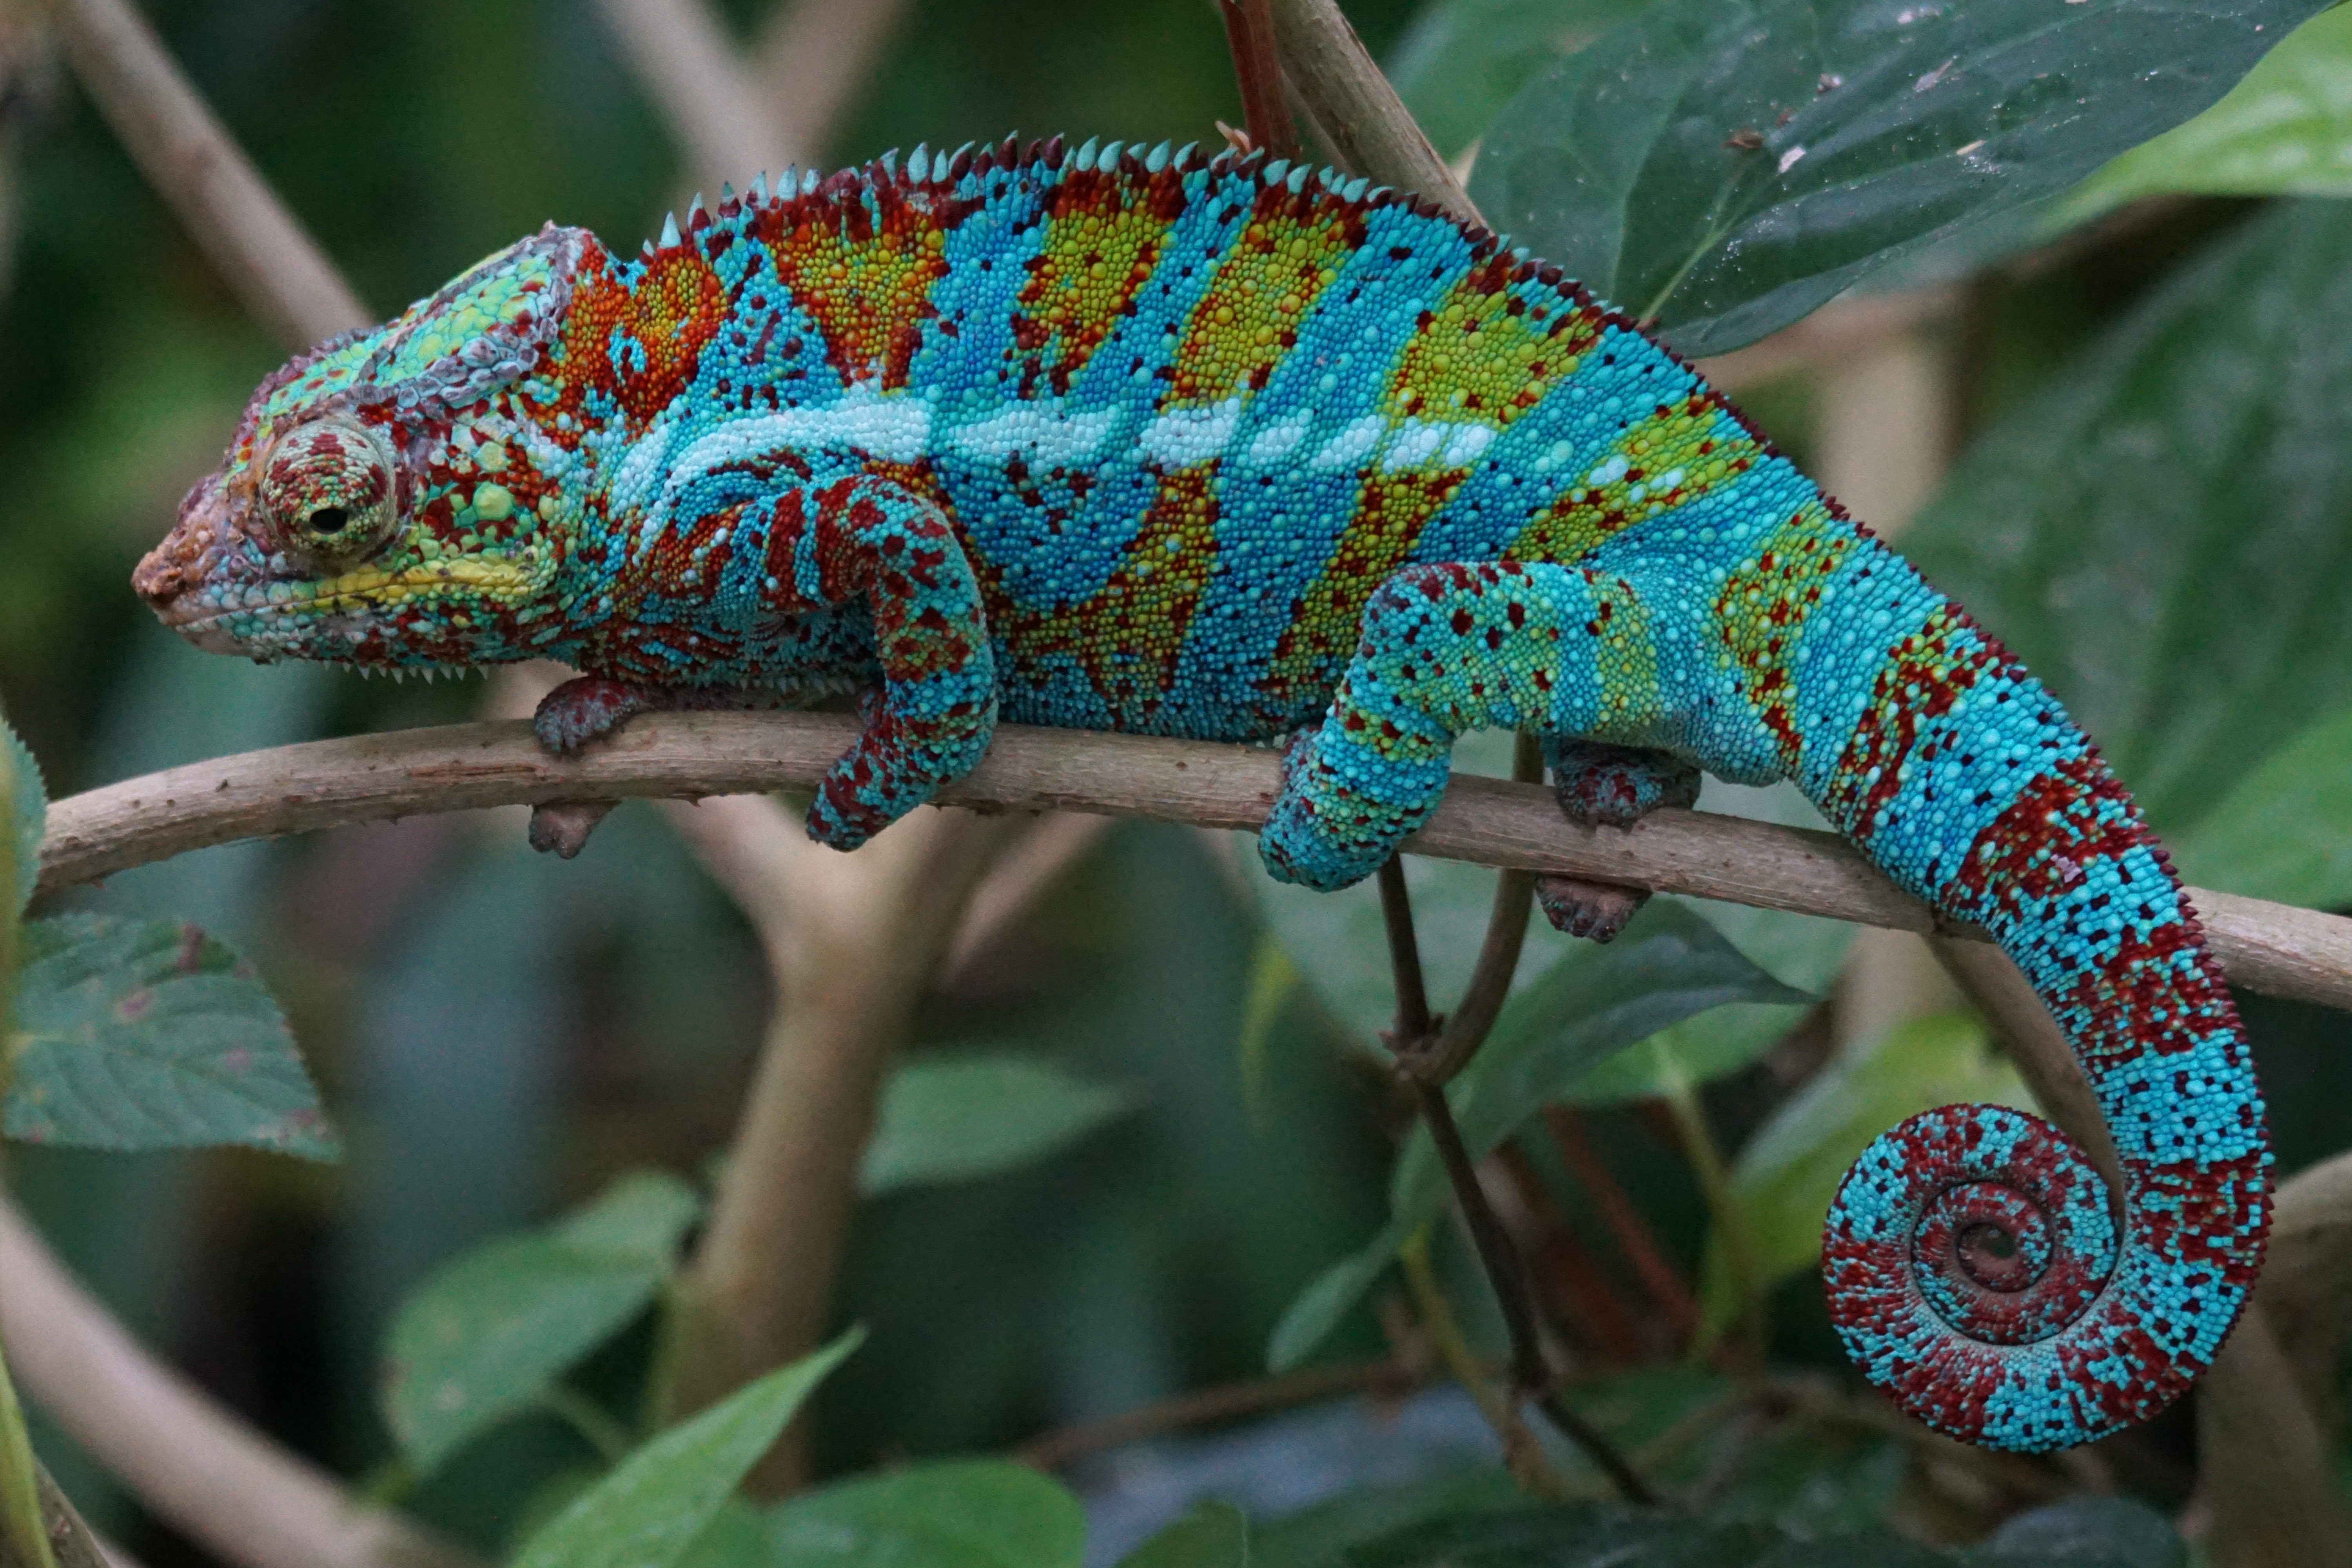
(867, 544)
(1557, 650)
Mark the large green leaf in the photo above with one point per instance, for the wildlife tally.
(2085, 1532)
(1786, 1174)
(1462, 61)
(22, 816)
(486, 1336)
(150, 1034)
(2284, 830)
(1726, 166)
(2162, 535)
(1669, 965)
(649, 1510)
(1588, 1535)
(2286, 130)
(956, 1116)
(964, 1513)
(1213, 1535)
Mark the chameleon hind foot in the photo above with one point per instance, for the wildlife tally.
(1594, 910)
(1600, 785)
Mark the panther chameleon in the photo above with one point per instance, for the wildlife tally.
(1120, 438)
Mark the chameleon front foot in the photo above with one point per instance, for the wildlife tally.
(586, 708)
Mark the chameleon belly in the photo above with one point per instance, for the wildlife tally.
(1123, 439)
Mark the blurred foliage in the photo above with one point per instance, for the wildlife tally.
(1181, 1116)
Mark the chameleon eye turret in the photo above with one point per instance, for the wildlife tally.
(328, 491)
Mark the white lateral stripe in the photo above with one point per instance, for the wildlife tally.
(1043, 432)
(1191, 435)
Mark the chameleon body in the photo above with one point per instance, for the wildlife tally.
(1118, 439)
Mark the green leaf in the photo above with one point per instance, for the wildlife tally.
(24, 810)
(960, 1513)
(1213, 1535)
(1462, 61)
(1786, 1174)
(484, 1337)
(1577, 1536)
(2160, 534)
(654, 1505)
(2085, 1532)
(1873, 136)
(1668, 967)
(150, 1034)
(956, 1117)
(1319, 1536)
(2284, 830)
(2285, 130)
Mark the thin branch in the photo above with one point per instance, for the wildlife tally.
(709, 95)
(1467, 1027)
(267, 258)
(1207, 1406)
(1249, 34)
(192, 1462)
(1414, 1039)
(1354, 105)
(812, 56)
(851, 942)
(1028, 870)
(1669, 1294)
(2267, 947)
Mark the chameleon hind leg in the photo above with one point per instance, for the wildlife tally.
(1536, 647)
(1601, 785)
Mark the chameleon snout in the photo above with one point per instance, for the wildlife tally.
(173, 575)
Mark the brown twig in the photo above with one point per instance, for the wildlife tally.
(1467, 1027)
(1566, 1272)
(1028, 868)
(1354, 106)
(192, 1462)
(72, 1542)
(2267, 947)
(267, 258)
(1414, 1034)
(1208, 1406)
(1669, 1296)
(851, 942)
(812, 57)
(1265, 109)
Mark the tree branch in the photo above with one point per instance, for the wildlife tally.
(190, 1461)
(267, 258)
(2267, 947)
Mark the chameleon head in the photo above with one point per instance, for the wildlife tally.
(385, 499)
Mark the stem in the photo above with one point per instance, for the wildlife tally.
(1413, 1022)
(1468, 1026)
(1627, 1226)
(1203, 1406)
(1713, 1175)
(594, 1424)
(25, 1535)
(1521, 1454)
(1249, 33)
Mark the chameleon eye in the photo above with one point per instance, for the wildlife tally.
(327, 489)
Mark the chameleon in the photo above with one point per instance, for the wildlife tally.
(1121, 438)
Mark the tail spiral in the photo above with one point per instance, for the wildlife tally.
(1974, 1267)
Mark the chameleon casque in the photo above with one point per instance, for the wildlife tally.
(1123, 439)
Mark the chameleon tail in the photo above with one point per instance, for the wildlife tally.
(1974, 1267)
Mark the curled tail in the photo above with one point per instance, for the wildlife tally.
(1974, 1267)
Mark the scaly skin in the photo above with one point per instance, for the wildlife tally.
(1126, 441)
